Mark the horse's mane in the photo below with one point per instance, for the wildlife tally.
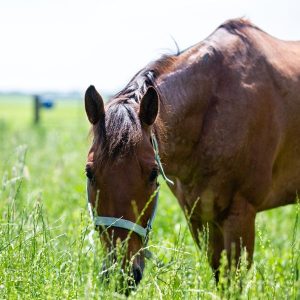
(121, 130)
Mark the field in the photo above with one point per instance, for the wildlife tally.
(48, 249)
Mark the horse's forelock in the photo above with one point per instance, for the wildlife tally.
(121, 133)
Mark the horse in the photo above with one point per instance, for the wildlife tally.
(220, 120)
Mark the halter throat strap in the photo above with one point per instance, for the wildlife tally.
(157, 159)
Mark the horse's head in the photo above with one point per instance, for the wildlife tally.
(122, 172)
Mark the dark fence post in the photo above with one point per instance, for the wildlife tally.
(37, 106)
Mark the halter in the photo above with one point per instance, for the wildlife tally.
(142, 232)
(107, 222)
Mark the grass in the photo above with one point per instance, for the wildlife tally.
(47, 246)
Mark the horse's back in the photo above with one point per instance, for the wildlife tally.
(260, 93)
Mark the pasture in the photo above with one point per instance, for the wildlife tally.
(47, 246)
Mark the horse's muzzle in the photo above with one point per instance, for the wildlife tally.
(137, 274)
(136, 277)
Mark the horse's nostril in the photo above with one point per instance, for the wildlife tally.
(137, 274)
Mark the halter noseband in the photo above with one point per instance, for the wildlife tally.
(126, 224)
(143, 232)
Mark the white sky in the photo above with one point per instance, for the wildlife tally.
(67, 45)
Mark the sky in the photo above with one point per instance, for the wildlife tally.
(66, 45)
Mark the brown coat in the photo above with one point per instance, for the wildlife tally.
(228, 127)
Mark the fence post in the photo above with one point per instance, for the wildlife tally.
(37, 105)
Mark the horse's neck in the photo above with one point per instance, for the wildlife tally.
(185, 94)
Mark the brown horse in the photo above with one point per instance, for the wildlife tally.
(226, 116)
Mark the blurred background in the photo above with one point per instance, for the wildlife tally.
(63, 46)
(56, 49)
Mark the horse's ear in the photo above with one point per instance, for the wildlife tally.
(149, 106)
(94, 105)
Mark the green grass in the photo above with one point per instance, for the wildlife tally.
(48, 250)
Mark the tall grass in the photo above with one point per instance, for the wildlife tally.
(48, 249)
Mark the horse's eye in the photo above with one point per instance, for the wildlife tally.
(89, 172)
(153, 175)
